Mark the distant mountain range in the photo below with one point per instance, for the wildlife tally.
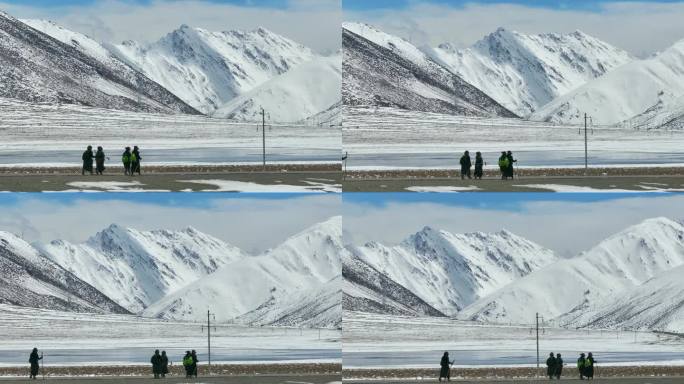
(546, 77)
(231, 74)
(631, 280)
(179, 275)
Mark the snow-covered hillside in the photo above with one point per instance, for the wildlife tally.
(317, 307)
(622, 93)
(137, 268)
(368, 290)
(575, 286)
(28, 278)
(384, 70)
(450, 271)
(524, 72)
(305, 262)
(667, 113)
(208, 69)
(46, 63)
(658, 304)
(296, 95)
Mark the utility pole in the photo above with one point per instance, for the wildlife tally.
(209, 315)
(263, 137)
(537, 318)
(586, 147)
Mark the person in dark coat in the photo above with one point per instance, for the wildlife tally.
(99, 161)
(156, 361)
(580, 365)
(35, 364)
(444, 372)
(187, 364)
(87, 158)
(551, 366)
(479, 165)
(559, 366)
(126, 160)
(194, 363)
(589, 367)
(465, 165)
(136, 158)
(511, 160)
(165, 364)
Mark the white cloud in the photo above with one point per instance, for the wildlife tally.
(641, 28)
(566, 227)
(314, 24)
(253, 224)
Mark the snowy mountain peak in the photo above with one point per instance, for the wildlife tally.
(525, 72)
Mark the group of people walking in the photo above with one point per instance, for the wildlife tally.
(554, 366)
(506, 162)
(130, 158)
(160, 364)
(585, 366)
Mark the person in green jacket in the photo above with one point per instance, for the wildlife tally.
(503, 165)
(126, 160)
(589, 367)
(580, 365)
(551, 366)
(187, 364)
(87, 158)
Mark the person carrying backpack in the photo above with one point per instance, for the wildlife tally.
(503, 165)
(589, 367)
(126, 160)
(580, 365)
(135, 160)
(465, 165)
(187, 364)
(551, 366)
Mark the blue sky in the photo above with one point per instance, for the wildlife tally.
(253, 222)
(567, 223)
(59, 3)
(569, 4)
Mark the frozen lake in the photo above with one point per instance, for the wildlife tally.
(49, 134)
(84, 339)
(379, 341)
(389, 138)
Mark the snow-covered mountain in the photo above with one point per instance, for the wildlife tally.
(450, 271)
(41, 62)
(667, 113)
(316, 307)
(575, 286)
(380, 69)
(296, 95)
(29, 279)
(658, 304)
(524, 72)
(208, 69)
(623, 93)
(306, 262)
(137, 268)
(368, 290)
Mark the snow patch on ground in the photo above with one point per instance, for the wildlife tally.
(249, 187)
(441, 189)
